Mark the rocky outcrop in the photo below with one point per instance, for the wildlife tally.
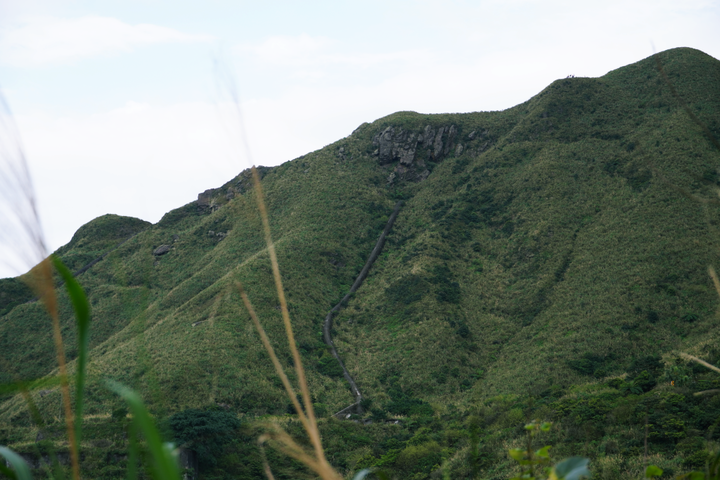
(411, 151)
(188, 460)
(214, 198)
(397, 145)
(205, 200)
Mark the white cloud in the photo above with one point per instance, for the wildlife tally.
(305, 51)
(287, 50)
(47, 40)
(139, 160)
(304, 91)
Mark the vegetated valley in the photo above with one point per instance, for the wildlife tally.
(548, 262)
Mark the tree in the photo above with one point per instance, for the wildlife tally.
(206, 432)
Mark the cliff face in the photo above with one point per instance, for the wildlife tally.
(541, 251)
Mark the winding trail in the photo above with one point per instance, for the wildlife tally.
(328, 323)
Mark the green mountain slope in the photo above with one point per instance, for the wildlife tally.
(547, 262)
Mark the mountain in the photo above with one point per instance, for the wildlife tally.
(548, 261)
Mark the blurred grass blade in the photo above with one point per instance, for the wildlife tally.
(22, 243)
(7, 471)
(20, 469)
(693, 358)
(54, 470)
(653, 471)
(132, 473)
(382, 475)
(266, 465)
(82, 315)
(29, 385)
(164, 464)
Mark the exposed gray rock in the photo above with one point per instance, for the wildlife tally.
(450, 139)
(162, 250)
(459, 149)
(187, 458)
(396, 145)
(411, 149)
(438, 143)
(428, 135)
(385, 146)
(472, 134)
(205, 198)
(206, 201)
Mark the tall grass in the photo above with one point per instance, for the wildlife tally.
(314, 460)
(22, 245)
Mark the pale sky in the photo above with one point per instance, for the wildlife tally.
(123, 106)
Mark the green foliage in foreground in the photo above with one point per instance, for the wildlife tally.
(548, 269)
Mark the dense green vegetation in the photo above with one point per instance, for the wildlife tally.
(550, 266)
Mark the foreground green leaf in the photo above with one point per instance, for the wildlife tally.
(163, 463)
(82, 317)
(29, 385)
(653, 471)
(20, 469)
(573, 468)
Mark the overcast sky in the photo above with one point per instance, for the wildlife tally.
(122, 106)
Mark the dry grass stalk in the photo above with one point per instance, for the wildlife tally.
(701, 362)
(41, 281)
(22, 243)
(271, 351)
(715, 280)
(286, 444)
(281, 440)
(266, 465)
(22, 236)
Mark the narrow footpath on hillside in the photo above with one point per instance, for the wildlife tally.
(328, 323)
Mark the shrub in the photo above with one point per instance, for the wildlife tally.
(327, 365)
(206, 432)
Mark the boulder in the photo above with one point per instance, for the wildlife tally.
(162, 250)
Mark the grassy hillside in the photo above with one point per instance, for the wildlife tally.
(548, 262)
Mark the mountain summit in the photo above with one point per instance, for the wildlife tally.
(548, 261)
